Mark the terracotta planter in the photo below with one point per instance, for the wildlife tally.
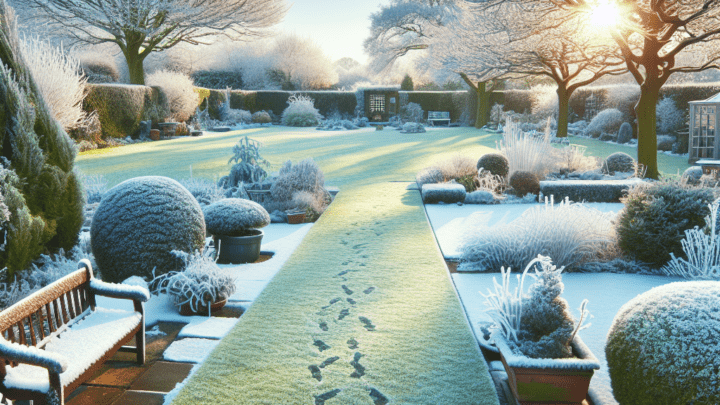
(186, 310)
(549, 381)
(238, 249)
(155, 134)
(296, 218)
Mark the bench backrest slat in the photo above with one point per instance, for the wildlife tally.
(51, 321)
(71, 305)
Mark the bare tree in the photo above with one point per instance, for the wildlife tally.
(529, 39)
(652, 37)
(140, 27)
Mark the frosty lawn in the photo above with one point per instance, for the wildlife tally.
(362, 156)
(363, 310)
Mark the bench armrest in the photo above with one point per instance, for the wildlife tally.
(33, 356)
(123, 291)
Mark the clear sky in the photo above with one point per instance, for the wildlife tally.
(339, 27)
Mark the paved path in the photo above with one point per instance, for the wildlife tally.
(364, 312)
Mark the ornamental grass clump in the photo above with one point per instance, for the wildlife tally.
(527, 152)
(301, 112)
(573, 234)
(538, 324)
(702, 249)
(200, 284)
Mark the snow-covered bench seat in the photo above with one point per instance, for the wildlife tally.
(55, 339)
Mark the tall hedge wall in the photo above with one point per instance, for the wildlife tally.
(327, 102)
(121, 107)
(456, 102)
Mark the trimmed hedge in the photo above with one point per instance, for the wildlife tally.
(327, 102)
(448, 193)
(456, 102)
(513, 100)
(121, 107)
(587, 190)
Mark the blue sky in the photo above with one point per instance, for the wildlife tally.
(339, 27)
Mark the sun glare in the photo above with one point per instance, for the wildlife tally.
(605, 14)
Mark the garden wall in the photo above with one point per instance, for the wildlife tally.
(456, 102)
(327, 102)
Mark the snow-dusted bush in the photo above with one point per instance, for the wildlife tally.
(448, 193)
(94, 187)
(692, 175)
(429, 175)
(490, 182)
(261, 117)
(178, 88)
(702, 249)
(59, 79)
(525, 152)
(413, 128)
(651, 226)
(140, 222)
(481, 196)
(524, 183)
(337, 125)
(247, 164)
(98, 66)
(619, 162)
(571, 233)
(608, 120)
(538, 324)
(669, 118)
(234, 217)
(305, 177)
(232, 115)
(411, 112)
(572, 159)
(301, 112)
(664, 345)
(200, 284)
(495, 163)
(205, 191)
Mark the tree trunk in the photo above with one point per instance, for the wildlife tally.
(646, 131)
(563, 111)
(135, 67)
(483, 107)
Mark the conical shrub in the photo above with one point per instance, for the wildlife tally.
(40, 189)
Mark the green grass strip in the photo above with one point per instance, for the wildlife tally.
(367, 297)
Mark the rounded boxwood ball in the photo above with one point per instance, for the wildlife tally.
(234, 217)
(525, 183)
(663, 346)
(619, 162)
(495, 163)
(139, 222)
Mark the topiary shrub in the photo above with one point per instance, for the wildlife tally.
(625, 133)
(608, 120)
(495, 163)
(235, 217)
(653, 222)
(261, 117)
(525, 183)
(449, 193)
(619, 162)
(40, 190)
(692, 175)
(663, 346)
(140, 222)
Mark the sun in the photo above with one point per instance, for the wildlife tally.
(604, 14)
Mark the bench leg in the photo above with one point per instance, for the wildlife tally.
(140, 345)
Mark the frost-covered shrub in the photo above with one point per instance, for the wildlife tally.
(625, 133)
(495, 163)
(481, 197)
(178, 89)
(448, 193)
(572, 159)
(231, 115)
(668, 117)
(303, 177)
(200, 284)
(98, 67)
(489, 182)
(651, 226)
(248, 164)
(692, 175)
(301, 112)
(524, 183)
(234, 217)
(608, 120)
(261, 117)
(538, 324)
(619, 162)
(140, 222)
(429, 175)
(526, 152)
(702, 249)
(571, 233)
(663, 346)
(411, 112)
(59, 79)
(205, 191)
(94, 187)
(337, 125)
(413, 128)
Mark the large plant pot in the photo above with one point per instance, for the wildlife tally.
(238, 249)
(295, 218)
(186, 309)
(549, 381)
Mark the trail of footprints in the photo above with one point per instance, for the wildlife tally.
(352, 344)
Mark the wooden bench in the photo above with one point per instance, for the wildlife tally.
(439, 116)
(56, 338)
(709, 166)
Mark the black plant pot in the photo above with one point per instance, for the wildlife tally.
(238, 249)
